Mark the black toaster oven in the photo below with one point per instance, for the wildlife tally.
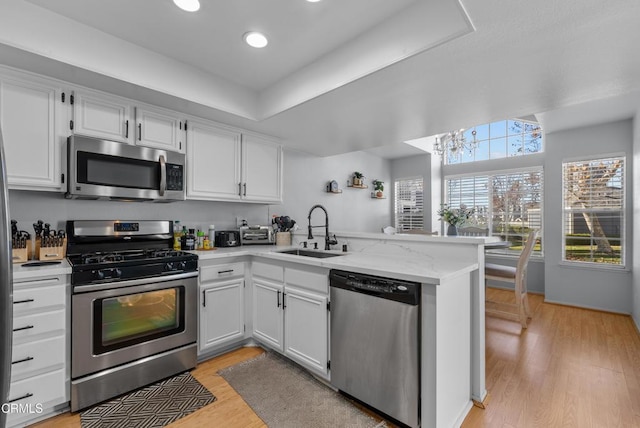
(227, 238)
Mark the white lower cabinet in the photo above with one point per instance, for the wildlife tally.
(268, 315)
(40, 361)
(292, 319)
(306, 329)
(221, 305)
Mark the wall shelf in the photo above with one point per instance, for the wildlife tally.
(334, 191)
(363, 186)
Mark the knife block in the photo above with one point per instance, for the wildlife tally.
(51, 253)
(20, 255)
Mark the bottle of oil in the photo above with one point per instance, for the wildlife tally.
(177, 234)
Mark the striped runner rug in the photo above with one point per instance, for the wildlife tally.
(156, 405)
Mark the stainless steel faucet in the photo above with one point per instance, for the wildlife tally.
(328, 241)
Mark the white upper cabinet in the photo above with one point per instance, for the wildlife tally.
(223, 164)
(103, 116)
(213, 167)
(261, 169)
(159, 128)
(31, 117)
(119, 119)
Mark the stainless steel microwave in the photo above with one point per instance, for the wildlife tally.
(102, 169)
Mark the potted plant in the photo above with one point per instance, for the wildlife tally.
(454, 217)
(378, 187)
(357, 179)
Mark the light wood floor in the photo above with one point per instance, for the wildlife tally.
(571, 368)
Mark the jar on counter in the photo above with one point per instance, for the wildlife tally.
(212, 235)
(200, 240)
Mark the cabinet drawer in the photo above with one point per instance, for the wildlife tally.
(29, 299)
(48, 389)
(273, 272)
(33, 357)
(219, 272)
(315, 281)
(34, 326)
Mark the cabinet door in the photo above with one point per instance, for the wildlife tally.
(222, 313)
(28, 117)
(306, 329)
(267, 313)
(261, 169)
(213, 158)
(103, 116)
(159, 128)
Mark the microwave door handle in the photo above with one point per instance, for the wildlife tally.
(163, 175)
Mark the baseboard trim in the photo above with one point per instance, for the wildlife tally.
(482, 404)
(589, 308)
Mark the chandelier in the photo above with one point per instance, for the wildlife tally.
(454, 143)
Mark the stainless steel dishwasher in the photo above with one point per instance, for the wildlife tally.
(375, 342)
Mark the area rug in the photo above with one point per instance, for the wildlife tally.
(156, 405)
(285, 396)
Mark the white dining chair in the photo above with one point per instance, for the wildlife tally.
(473, 231)
(518, 311)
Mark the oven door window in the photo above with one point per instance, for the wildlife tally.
(117, 171)
(130, 319)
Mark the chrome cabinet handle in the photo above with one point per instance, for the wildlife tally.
(163, 175)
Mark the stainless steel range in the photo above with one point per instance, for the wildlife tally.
(133, 307)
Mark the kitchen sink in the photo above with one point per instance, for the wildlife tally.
(309, 253)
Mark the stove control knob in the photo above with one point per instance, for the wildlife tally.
(182, 265)
(169, 267)
(117, 273)
(99, 274)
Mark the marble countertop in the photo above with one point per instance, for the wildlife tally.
(420, 268)
(20, 271)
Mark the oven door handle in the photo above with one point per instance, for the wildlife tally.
(121, 284)
(163, 176)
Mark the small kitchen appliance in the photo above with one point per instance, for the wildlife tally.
(133, 307)
(251, 235)
(227, 238)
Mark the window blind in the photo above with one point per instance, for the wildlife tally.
(509, 204)
(409, 204)
(593, 211)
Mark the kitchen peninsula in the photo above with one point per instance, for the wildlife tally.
(452, 304)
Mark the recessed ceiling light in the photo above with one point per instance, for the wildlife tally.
(255, 39)
(188, 5)
(313, 1)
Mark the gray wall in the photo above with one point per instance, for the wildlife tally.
(410, 167)
(600, 288)
(305, 181)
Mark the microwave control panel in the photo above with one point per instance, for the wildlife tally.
(175, 176)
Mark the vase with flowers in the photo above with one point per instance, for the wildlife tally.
(454, 217)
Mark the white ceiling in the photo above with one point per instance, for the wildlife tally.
(340, 76)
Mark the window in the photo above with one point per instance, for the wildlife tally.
(593, 211)
(509, 204)
(502, 139)
(408, 203)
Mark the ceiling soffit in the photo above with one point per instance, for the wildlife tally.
(417, 27)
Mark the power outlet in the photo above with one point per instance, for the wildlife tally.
(240, 222)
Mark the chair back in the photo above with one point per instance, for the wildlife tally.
(523, 260)
(473, 231)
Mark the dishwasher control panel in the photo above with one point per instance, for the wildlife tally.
(387, 288)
